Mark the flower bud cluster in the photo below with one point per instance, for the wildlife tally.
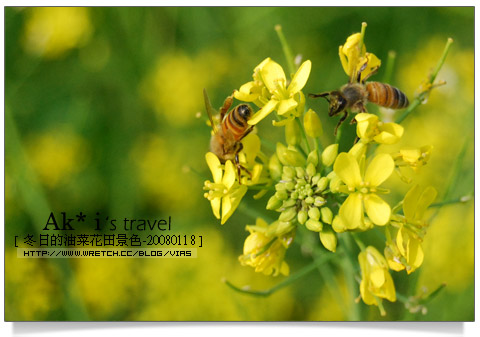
(299, 196)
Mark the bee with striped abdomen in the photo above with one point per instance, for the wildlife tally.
(230, 130)
(354, 96)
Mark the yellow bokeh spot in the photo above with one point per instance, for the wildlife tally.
(56, 155)
(52, 31)
(31, 288)
(174, 87)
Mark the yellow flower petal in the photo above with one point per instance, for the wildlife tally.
(273, 76)
(216, 207)
(286, 105)
(415, 255)
(283, 122)
(390, 133)
(215, 166)
(377, 276)
(377, 209)
(263, 112)
(379, 169)
(351, 211)
(248, 92)
(410, 155)
(230, 202)
(427, 197)
(347, 169)
(230, 175)
(300, 78)
(410, 202)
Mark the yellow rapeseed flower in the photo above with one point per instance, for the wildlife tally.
(362, 190)
(225, 190)
(413, 157)
(405, 252)
(264, 251)
(52, 31)
(254, 91)
(369, 128)
(354, 59)
(284, 99)
(376, 282)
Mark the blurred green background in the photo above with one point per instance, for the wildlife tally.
(100, 116)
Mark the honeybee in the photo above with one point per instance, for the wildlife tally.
(354, 96)
(233, 127)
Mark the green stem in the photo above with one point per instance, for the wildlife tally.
(304, 135)
(362, 36)
(38, 207)
(389, 67)
(289, 280)
(463, 199)
(349, 263)
(286, 49)
(359, 242)
(420, 97)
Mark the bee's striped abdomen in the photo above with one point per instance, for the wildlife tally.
(236, 122)
(385, 95)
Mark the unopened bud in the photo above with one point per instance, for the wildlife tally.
(311, 170)
(275, 167)
(329, 154)
(288, 214)
(313, 158)
(302, 217)
(312, 123)
(322, 183)
(292, 132)
(328, 239)
(274, 203)
(314, 225)
(314, 213)
(327, 215)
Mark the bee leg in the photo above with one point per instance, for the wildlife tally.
(226, 105)
(345, 114)
(239, 166)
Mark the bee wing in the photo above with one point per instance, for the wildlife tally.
(210, 110)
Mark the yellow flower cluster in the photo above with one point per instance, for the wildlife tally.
(326, 192)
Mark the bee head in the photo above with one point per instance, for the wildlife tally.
(244, 111)
(337, 103)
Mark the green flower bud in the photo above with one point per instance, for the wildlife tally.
(280, 187)
(314, 225)
(316, 178)
(275, 167)
(328, 239)
(301, 182)
(288, 214)
(322, 183)
(309, 200)
(327, 215)
(312, 124)
(289, 185)
(274, 203)
(292, 133)
(283, 227)
(294, 195)
(311, 170)
(300, 172)
(289, 203)
(302, 216)
(313, 158)
(338, 225)
(319, 201)
(293, 157)
(282, 195)
(329, 154)
(314, 213)
(288, 173)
